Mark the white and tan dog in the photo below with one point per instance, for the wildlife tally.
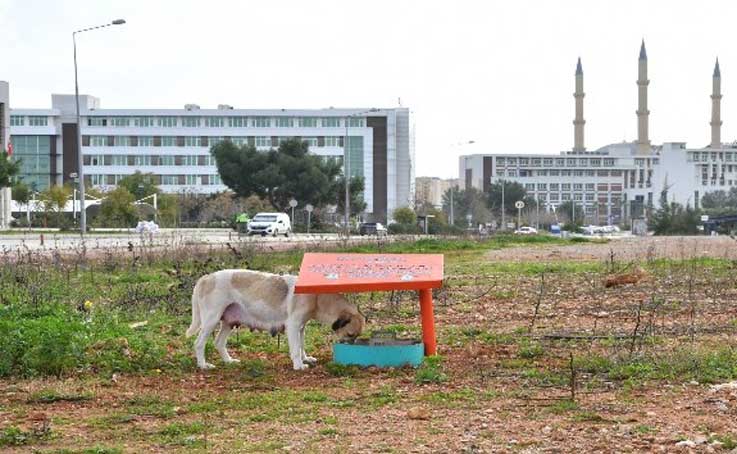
(267, 302)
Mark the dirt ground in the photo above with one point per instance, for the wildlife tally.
(507, 333)
(627, 249)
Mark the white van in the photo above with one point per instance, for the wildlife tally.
(270, 224)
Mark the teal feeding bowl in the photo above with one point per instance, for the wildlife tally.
(379, 352)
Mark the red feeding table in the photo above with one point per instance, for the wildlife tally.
(346, 273)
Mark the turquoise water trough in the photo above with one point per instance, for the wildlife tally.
(380, 352)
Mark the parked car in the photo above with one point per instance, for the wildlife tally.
(270, 224)
(526, 231)
(372, 228)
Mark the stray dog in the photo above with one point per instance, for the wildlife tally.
(264, 301)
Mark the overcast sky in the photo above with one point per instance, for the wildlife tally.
(499, 73)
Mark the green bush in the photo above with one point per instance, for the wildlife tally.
(430, 371)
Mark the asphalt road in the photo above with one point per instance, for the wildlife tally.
(37, 241)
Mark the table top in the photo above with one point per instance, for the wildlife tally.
(345, 273)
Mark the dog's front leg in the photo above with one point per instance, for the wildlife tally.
(311, 360)
(295, 345)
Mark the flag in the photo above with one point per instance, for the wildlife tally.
(10, 148)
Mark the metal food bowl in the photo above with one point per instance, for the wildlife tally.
(381, 350)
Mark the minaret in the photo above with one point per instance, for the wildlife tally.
(643, 141)
(578, 122)
(716, 114)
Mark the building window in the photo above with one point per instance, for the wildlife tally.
(583, 162)
(554, 172)
(284, 122)
(608, 162)
(547, 162)
(356, 122)
(238, 122)
(240, 141)
(536, 162)
(571, 162)
(96, 121)
(121, 141)
(554, 186)
(145, 141)
(169, 180)
(566, 186)
(168, 141)
(194, 180)
(212, 141)
(554, 197)
(566, 197)
(17, 120)
(311, 141)
(261, 122)
(143, 160)
(96, 160)
(214, 122)
(512, 173)
(192, 141)
(119, 160)
(500, 161)
(529, 187)
(524, 161)
(169, 122)
(565, 173)
(98, 141)
(191, 122)
(307, 122)
(560, 162)
(589, 186)
(97, 180)
(596, 162)
(729, 156)
(542, 187)
(332, 141)
(38, 121)
(542, 173)
(215, 180)
(167, 160)
(512, 161)
(577, 187)
(589, 197)
(143, 122)
(578, 173)
(577, 196)
(330, 122)
(263, 141)
(120, 121)
(189, 160)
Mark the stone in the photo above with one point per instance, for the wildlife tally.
(686, 444)
(418, 413)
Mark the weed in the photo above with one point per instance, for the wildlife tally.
(14, 436)
(47, 396)
(430, 371)
(341, 370)
(563, 406)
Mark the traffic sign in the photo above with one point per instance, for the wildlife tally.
(519, 204)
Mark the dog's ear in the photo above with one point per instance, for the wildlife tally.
(341, 322)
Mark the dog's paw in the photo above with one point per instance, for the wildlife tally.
(301, 366)
(311, 360)
(206, 366)
(232, 361)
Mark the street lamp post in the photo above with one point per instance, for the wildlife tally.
(80, 159)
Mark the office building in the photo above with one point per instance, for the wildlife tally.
(174, 144)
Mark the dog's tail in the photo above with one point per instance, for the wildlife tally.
(194, 327)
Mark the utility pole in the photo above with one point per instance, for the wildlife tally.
(504, 225)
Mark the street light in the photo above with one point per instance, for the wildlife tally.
(347, 166)
(80, 159)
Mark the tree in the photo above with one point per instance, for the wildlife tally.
(672, 218)
(571, 213)
(719, 203)
(21, 193)
(405, 216)
(140, 185)
(355, 195)
(8, 169)
(513, 192)
(280, 175)
(117, 209)
(54, 199)
(467, 201)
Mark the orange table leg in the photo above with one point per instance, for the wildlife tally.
(428, 322)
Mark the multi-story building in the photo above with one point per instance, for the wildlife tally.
(174, 144)
(616, 182)
(430, 190)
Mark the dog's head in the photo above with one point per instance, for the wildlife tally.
(347, 321)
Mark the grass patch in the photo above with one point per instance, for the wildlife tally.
(48, 396)
(15, 436)
(430, 371)
(341, 370)
(563, 406)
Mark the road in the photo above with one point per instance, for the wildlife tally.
(67, 242)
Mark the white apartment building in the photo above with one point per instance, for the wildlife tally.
(174, 144)
(616, 182)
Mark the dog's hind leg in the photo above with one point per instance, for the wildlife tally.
(311, 360)
(295, 343)
(208, 326)
(221, 341)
